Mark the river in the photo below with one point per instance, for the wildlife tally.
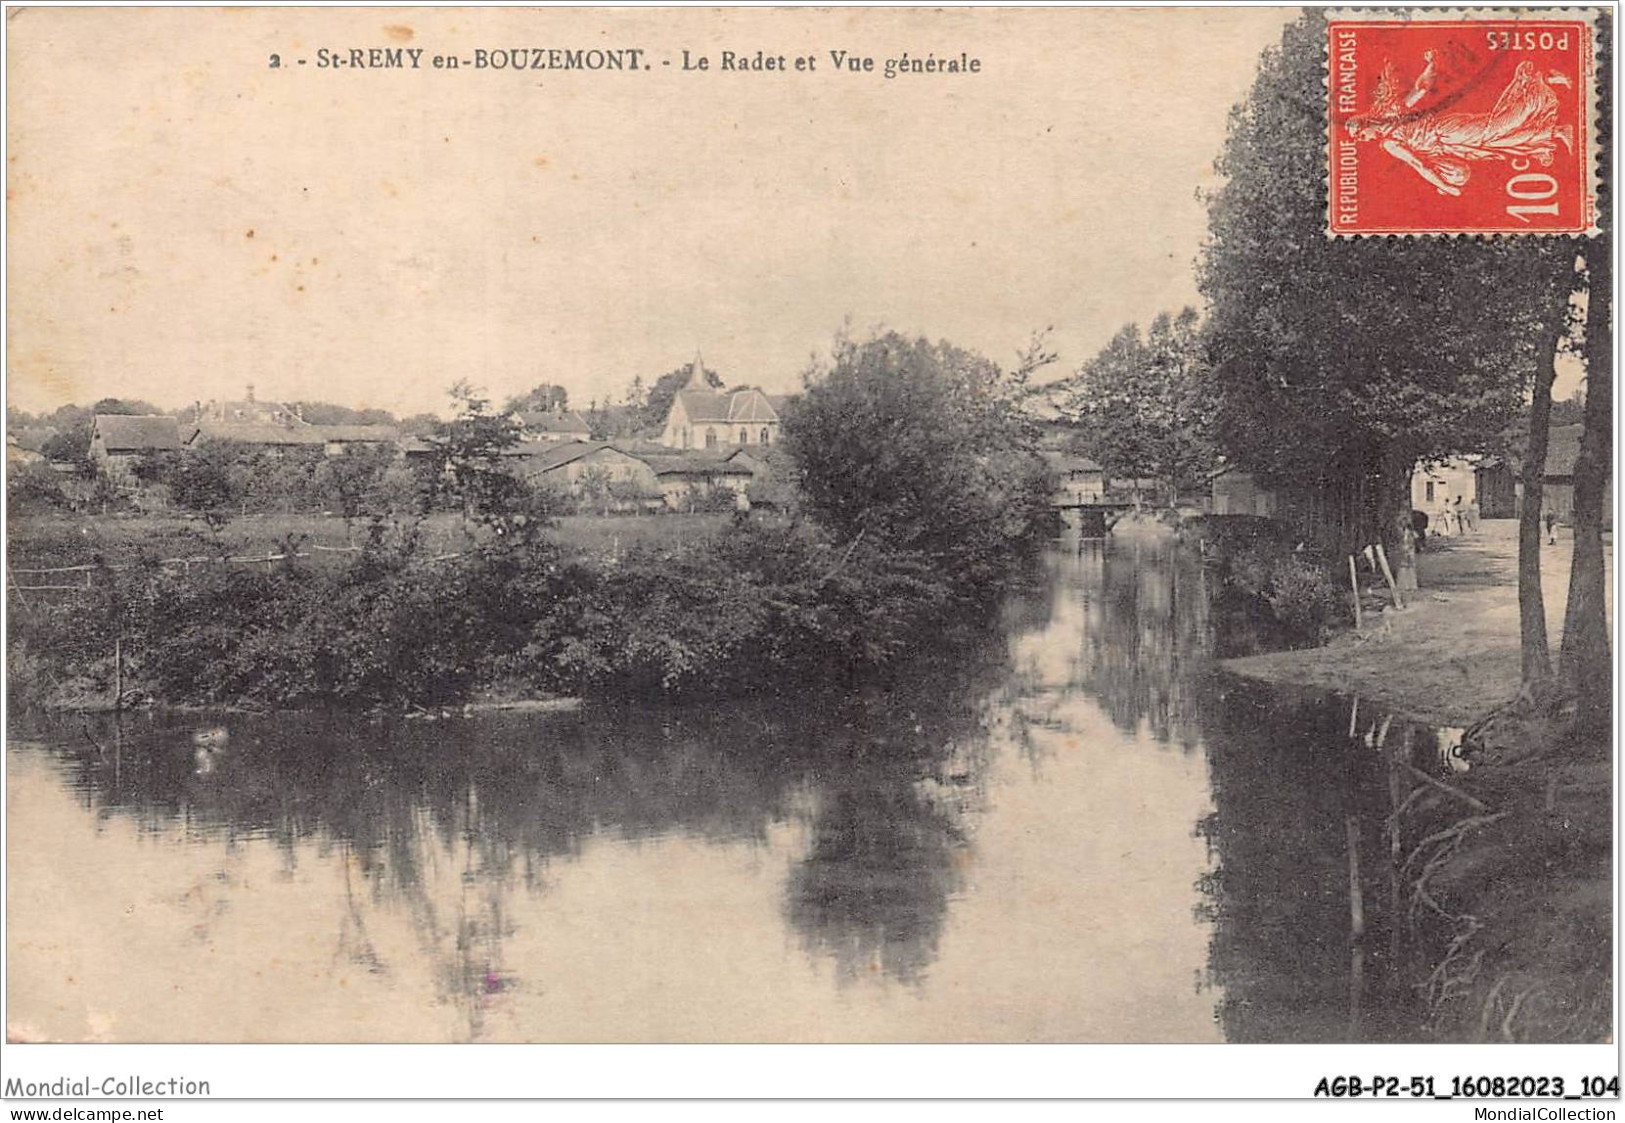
(1086, 834)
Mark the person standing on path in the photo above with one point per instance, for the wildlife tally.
(1443, 520)
(1551, 528)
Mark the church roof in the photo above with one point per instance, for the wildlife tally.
(751, 405)
(703, 406)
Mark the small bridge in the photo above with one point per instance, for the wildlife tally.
(1092, 520)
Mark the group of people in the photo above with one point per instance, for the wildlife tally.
(1449, 518)
(1456, 517)
(1453, 517)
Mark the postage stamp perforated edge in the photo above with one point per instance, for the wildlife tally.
(1593, 164)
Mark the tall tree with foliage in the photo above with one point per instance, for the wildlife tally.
(921, 447)
(1145, 405)
(469, 451)
(1585, 662)
(540, 399)
(1339, 364)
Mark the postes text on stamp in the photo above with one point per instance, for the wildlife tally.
(1474, 123)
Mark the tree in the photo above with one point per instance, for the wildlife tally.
(326, 413)
(1145, 405)
(1341, 363)
(1585, 660)
(419, 424)
(544, 397)
(351, 482)
(71, 445)
(126, 407)
(637, 394)
(1571, 410)
(469, 450)
(199, 481)
(1534, 650)
(32, 488)
(922, 448)
(592, 488)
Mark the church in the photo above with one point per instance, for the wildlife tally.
(703, 417)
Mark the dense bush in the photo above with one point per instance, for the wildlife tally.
(228, 477)
(1295, 591)
(34, 489)
(922, 448)
(762, 602)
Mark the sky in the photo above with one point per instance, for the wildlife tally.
(185, 220)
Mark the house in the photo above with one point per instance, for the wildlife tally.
(630, 475)
(117, 441)
(619, 479)
(248, 410)
(690, 478)
(270, 436)
(281, 429)
(1078, 479)
(1240, 493)
(556, 424)
(1442, 483)
(702, 417)
(339, 439)
(1496, 483)
(1557, 493)
(1499, 480)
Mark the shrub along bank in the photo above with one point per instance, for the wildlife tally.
(760, 602)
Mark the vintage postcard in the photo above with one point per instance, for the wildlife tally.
(605, 526)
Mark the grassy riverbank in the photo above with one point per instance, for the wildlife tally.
(1452, 655)
(57, 540)
(1523, 889)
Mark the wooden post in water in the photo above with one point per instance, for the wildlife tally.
(1356, 926)
(118, 672)
(1396, 796)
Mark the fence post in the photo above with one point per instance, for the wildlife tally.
(1354, 584)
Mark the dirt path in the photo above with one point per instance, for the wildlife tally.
(1452, 655)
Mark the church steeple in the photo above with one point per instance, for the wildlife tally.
(696, 374)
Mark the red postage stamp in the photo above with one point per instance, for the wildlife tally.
(1465, 122)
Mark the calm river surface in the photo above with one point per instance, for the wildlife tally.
(1090, 835)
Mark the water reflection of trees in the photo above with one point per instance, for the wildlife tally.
(1313, 937)
(873, 891)
(1146, 634)
(1302, 799)
(443, 820)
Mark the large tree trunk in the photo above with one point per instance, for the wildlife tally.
(1585, 661)
(1394, 516)
(1537, 663)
